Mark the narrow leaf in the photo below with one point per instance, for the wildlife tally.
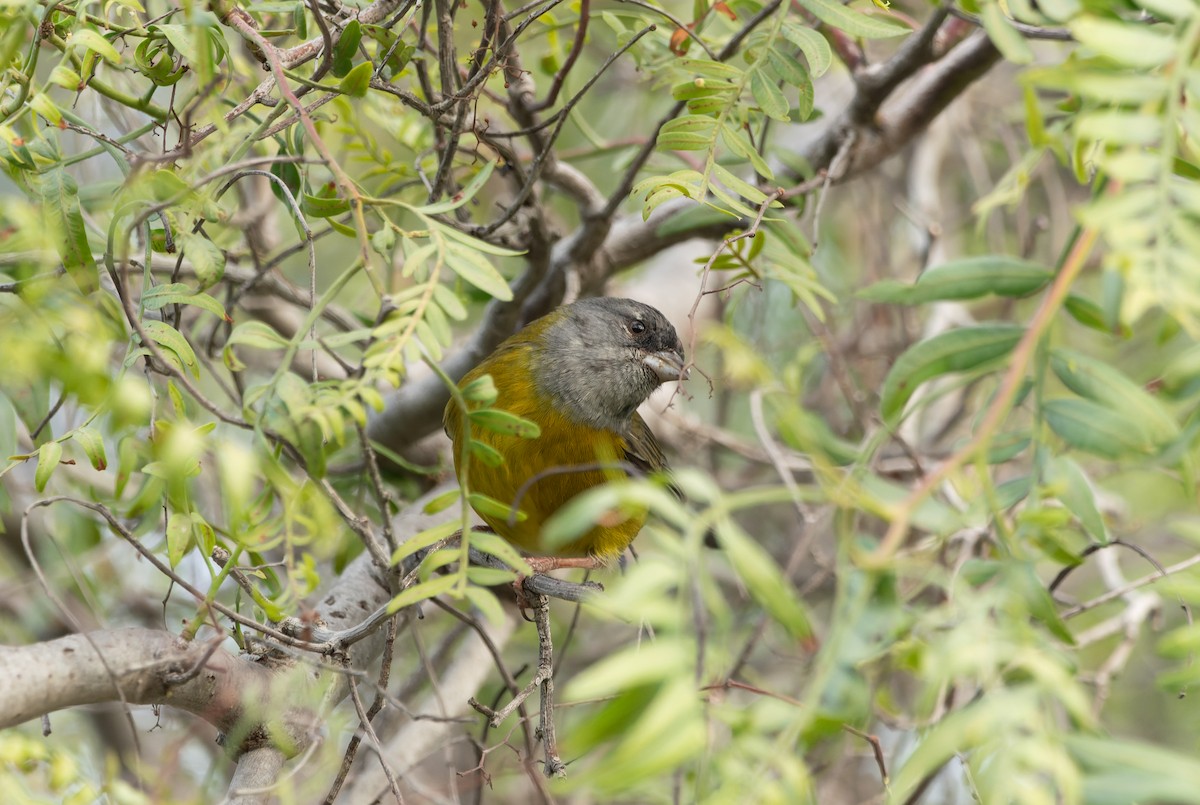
(853, 22)
(419, 592)
(173, 341)
(1003, 35)
(59, 197)
(503, 422)
(90, 441)
(48, 455)
(357, 81)
(93, 41)
(179, 537)
(954, 351)
(424, 539)
(1097, 429)
(770, 97)
(465, 194)
(815, 48)
(1098, 381)
(475, 269)
(971, 278)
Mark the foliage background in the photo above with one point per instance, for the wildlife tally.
(939, 456)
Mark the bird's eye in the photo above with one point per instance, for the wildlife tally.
(637, 326)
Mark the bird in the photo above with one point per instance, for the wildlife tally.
(579, 373)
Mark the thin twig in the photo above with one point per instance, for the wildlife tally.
(365, 724)
(543, 679)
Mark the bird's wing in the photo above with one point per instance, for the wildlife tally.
(641, 448)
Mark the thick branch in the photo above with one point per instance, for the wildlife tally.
(880, 134)
(146, 667)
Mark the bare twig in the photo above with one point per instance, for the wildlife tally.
(543, 679)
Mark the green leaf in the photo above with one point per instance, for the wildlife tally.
(474, 245)
(323, 206)
(703, 88)
(345, 48)
(173, 343)
(690, 123)
(191, 41)
(1119, 128)
(90, 441)
(1090, 314)
(486, 453)
(490, 507)
(177, 293)
(93, 41)
(1129, 44)
(813, 45)
(642, 664)
(789, 71)
(424, 539)
(954, 351)
(1004, 36)
(65, 77)
(475, 269)
(256, 334)
(763, 579)
(770, 98)
(711, 69)
(485, 602)
(1117, 772)
(203, 533)
(420, 592)
(1104, 384)
(970, 278)
(579, 514)
(742, 188)
(465, 194)
(48, 455)
(853, 22)
(498, 547)
(1097, 429)
(289, 174)
(661, 737)
(449, 302)
(300, 19)
(357, 81)
(481, 390)
(1076, 493)
(499, 421)
(682, 141)
(179, 537)
(59, 197)
(442, 502)
(41, 103)
(708, 105)
(741, 145)
(731, 201)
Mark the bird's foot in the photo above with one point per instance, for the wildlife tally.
(545, 564)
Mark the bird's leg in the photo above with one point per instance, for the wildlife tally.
(544, 564)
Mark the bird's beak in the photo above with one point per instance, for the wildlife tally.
(667, 365)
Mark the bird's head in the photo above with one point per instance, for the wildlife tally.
(599, 359)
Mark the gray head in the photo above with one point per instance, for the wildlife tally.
(601, 358)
